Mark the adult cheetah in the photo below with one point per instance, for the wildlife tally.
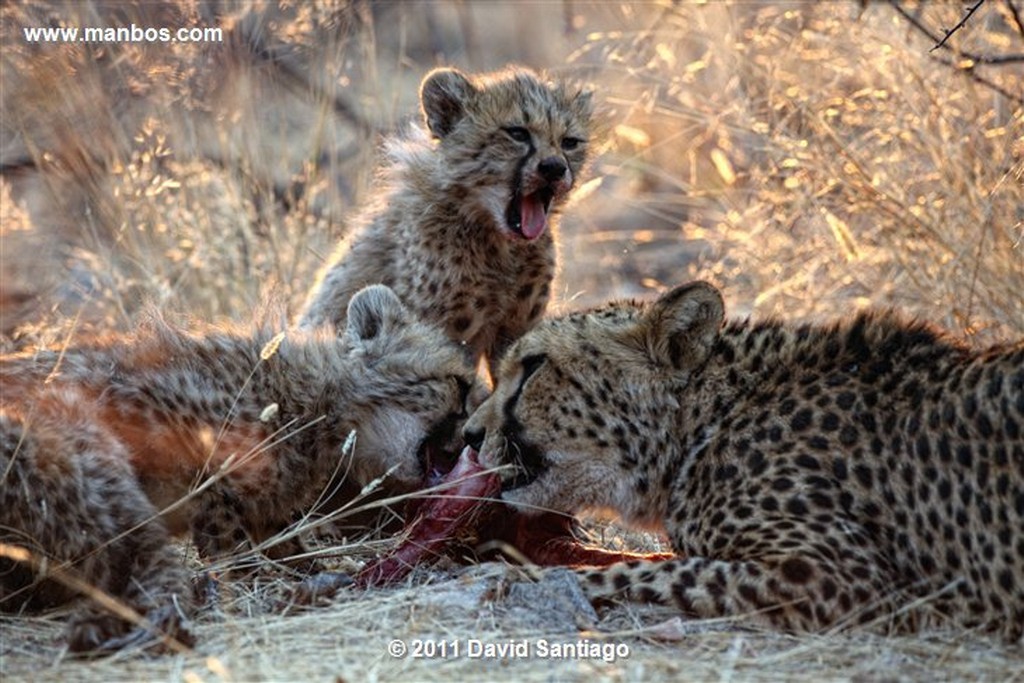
(462, 227)
(106, 450)
(869, 472)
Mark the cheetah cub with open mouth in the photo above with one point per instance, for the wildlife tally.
(462, 230)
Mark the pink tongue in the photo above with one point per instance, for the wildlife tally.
(533, 217)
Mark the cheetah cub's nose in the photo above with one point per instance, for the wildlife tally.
(474, 437)
(552, 169)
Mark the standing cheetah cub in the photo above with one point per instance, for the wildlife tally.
(868, 472)
(106, 450)
(462, 229)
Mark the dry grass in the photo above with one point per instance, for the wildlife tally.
(348, 641)
(809, 159)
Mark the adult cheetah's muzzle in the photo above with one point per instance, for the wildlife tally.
(474, 438)
(528, 463)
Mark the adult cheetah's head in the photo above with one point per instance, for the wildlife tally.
(584, 404)
(512, 143)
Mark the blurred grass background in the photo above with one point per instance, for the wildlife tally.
(809, 158)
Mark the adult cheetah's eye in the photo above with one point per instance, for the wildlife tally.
(531, 364)
(518, 133)
(570, 143)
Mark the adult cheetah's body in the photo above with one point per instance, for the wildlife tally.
(808, 477)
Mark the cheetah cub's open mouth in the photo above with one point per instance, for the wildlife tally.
(528, 216)
(436, 453)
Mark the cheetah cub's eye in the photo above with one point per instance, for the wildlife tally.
(531, 364)
(569, 143)
(518, 133)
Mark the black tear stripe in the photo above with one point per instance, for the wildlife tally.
(514, 398)
(528, 460)
(513, 213)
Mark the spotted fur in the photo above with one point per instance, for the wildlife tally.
(869, 472)
(109, 449)
(455, 228)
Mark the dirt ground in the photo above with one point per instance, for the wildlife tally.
(443, 628)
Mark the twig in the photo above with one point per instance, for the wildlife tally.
(970, 10)
(941, 41)
(914, 21)
(978, 78)
(1015, 13)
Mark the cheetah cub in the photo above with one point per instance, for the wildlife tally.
(106, 450)
(869, 472)
(462, 229)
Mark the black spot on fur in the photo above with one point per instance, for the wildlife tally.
(796, 570)
(801, 420)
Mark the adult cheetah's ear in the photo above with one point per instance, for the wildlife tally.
(682, 325)
(443, 96)
(373, 311)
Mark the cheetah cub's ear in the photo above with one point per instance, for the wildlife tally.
(583, 105)
(682, 325)
(374, 311)
(443, 94)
